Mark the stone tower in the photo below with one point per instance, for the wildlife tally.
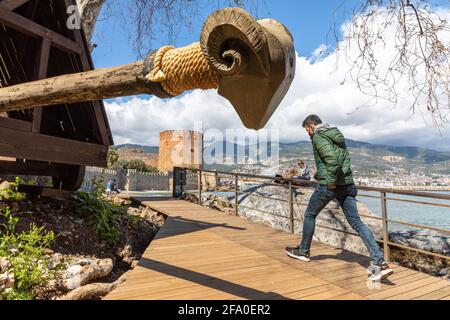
(180, 148)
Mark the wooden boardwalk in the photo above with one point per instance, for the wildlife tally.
(203, 254)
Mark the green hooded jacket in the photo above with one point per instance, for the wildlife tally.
(331, 156)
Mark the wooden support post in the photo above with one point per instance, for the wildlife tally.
(41, 73)
(236, 195)
(387, 254)
(291, 207)
(200, 187)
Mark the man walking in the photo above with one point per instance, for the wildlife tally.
(335, 179)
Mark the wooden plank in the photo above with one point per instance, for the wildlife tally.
(403, 289)
(44, 192)
(41, 73)
(435, 295)
(414, 293)
(30, 168)
(202, 254)
(15, 124)
(186, 283)
(32, 146)
(28, 27)
(12, 4)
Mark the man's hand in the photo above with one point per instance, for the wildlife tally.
(331, 187)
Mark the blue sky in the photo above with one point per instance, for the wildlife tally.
(316, 88)
(309, 22)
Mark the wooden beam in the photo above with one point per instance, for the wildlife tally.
(12, 4)
(30, 168)
(79, 87)
(32, 146)
(43, 192)
(15, 124)
(28, 27)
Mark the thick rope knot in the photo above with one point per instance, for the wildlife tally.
(182, 69)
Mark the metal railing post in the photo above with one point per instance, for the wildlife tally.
(236, 195)
(291, 207)
(384, 213)
(200, 202)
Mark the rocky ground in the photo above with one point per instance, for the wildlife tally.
(86, 266)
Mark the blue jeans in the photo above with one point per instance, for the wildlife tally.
(345, 195)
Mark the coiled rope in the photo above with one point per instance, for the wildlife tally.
(181, 69)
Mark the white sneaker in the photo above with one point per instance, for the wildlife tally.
(379, 273)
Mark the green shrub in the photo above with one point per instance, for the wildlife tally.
(12, 194)
(133, 164)
(26, 253)
(101, 214)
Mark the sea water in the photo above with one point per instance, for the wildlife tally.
(426, 215)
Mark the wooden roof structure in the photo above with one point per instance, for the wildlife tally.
(35, 43)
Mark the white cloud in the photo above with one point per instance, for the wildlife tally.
(316, 89)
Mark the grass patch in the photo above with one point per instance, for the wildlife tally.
(26, 253)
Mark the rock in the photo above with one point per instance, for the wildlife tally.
(87, 270)
(134, 263)
(427, 240)
(133, 211)
(126, 254)
(55, 260)
(4, 264)
(7, 280)
(48, 251)
(5, 185)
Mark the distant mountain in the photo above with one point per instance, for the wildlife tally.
(367, 158)
(146, 149)
(428, 156)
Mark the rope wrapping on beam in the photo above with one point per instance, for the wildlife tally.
(182, 69)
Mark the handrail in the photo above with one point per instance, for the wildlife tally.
(292, 184)
(422, 194)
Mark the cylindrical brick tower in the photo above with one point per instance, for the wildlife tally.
(180, 148)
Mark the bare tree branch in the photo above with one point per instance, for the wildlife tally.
(420, 65)
(148, 19)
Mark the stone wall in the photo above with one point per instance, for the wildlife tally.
(129, 180)
(141, 181)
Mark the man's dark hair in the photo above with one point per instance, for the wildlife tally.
(311, 120)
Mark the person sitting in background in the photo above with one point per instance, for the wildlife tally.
(300, 171)
(112, 187)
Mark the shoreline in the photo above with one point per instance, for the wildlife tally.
(413, 188)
